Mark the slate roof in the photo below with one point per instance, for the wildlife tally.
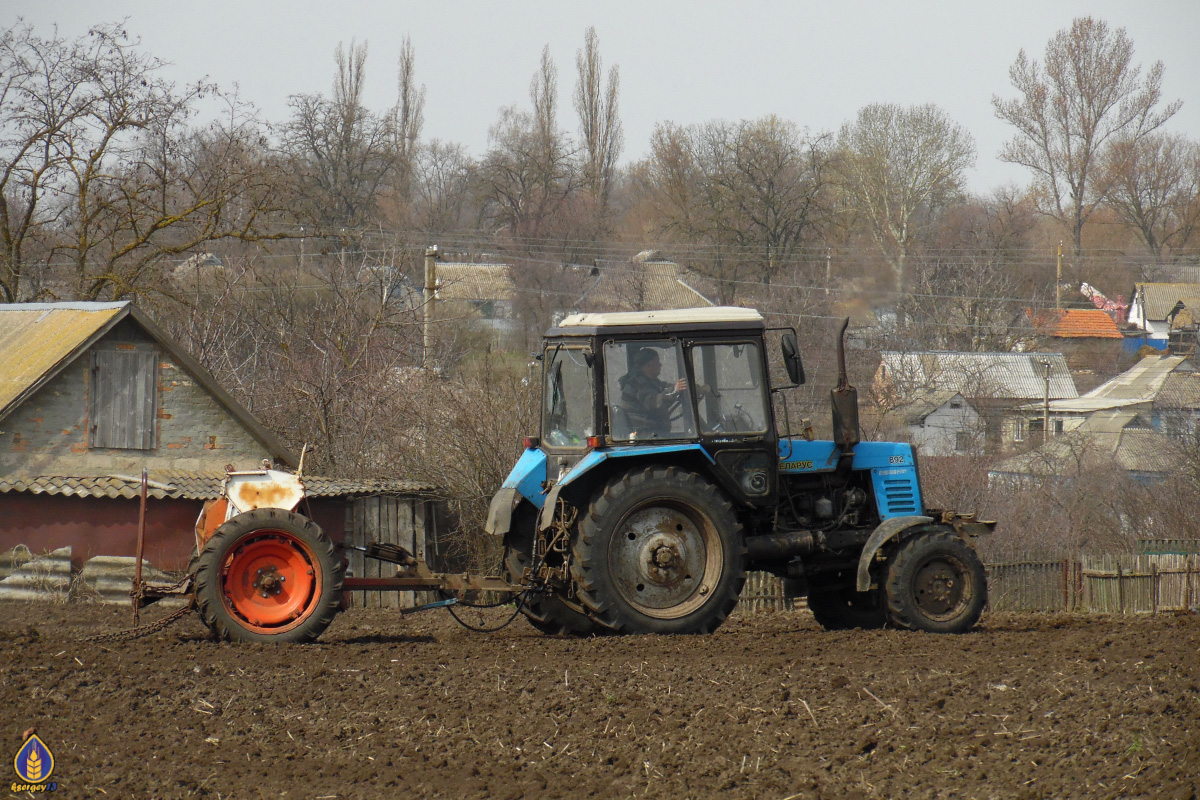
(1106, 437)
(1139, 384)
(1077, 323)
(924, 403)
(475, 282)
(980, 375)
(39, 340)
(1159, 298)
(642, 285)
(1180, 390)
(192, 485)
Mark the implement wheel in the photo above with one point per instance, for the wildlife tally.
(268, 576)
(659, 551)
(936, 583)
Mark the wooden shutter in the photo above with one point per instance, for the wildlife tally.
(124, 394)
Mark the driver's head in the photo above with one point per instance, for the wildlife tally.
(648, 362)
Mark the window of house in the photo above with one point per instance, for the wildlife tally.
(1019, 430)
(1058, 426)
(124, 395)
(955, 404)
(962, 441)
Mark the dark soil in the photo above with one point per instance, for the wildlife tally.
(770, 706)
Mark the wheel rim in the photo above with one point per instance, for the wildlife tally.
(271, 581)
(665, 559)
(940, 587)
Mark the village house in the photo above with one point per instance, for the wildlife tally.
(941, 423)
(1087, 337)
(1156, 305)
(93, 393)
(1136, 390)
(993, 383)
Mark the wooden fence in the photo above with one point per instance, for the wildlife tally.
(1124, 584)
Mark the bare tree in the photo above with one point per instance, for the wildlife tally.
(1154, 184)
(744, 197)
(444, 172)
(409, 118)
(343, 155)
(599, 122)
(100, 176)
(527, 176)
(897, 167)
(1088, 94)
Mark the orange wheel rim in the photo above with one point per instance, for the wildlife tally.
(271, 581)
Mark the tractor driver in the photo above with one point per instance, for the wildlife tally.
(649, 401)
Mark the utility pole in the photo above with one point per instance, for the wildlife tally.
(828, 269)
(1058, 278)
(1046, 406)
(429, 295)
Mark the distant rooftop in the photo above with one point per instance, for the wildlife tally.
(979, 375)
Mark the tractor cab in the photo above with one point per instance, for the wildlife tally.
(661, 381)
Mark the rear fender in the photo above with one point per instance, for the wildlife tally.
(888, 529)
(599, 465)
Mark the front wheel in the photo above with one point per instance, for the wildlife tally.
(936, 583)
(659, 551)
(268, 575)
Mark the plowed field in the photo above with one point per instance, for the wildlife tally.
(768, 707)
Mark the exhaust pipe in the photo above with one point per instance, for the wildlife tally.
(782, 545)
(844, 399)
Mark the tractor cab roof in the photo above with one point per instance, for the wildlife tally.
(679, 320)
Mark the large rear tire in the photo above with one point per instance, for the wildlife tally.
(268, 576)
(546, 612)
(659, 551)
(936, 583)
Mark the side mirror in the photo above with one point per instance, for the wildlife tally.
(791, 358)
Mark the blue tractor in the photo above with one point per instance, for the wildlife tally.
(659, 478)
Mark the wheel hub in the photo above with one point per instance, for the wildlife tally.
(938, 587)
(269, 581)
(660, 559)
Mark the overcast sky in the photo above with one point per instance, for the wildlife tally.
(813, 63)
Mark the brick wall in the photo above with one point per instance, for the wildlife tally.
(48, 433)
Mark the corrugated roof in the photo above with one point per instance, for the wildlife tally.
(1077, 323)
(924, 403)
(192, 485)
(1159, 298)
(980, 375)
(38, 339)
(1106, 437)
(1180, 390)
(1140, 383)
(475, 282)
(642, 286)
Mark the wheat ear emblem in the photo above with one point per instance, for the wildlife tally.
(33, 766)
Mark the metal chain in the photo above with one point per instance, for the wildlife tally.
(141, 630)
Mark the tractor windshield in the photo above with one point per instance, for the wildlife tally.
(568, 413)
(731, 391)
(648, 395)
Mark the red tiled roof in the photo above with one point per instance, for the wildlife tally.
(1077, 323)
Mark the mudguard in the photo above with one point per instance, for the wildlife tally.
(887, 529)
(596, 457)
(499, 519)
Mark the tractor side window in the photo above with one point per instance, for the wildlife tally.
(730, 390)
(648, 395)
(569, 413)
